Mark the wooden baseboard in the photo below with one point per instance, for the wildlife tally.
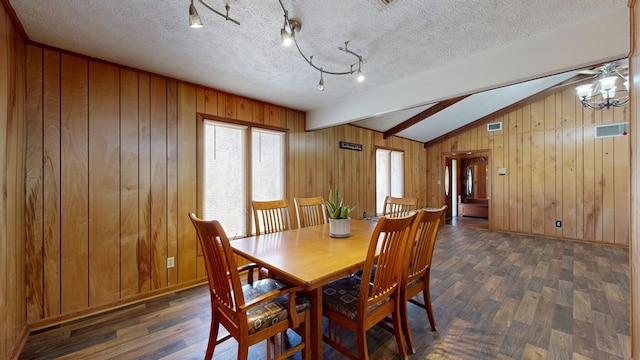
(16, 349)
(61, 319)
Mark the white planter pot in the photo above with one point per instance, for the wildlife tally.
(340, 228)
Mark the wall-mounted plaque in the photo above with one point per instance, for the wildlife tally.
(350, 146)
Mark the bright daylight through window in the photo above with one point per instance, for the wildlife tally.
(389, 176)
(232, 180)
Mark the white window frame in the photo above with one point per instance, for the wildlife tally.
(250, 185)
(389, 175)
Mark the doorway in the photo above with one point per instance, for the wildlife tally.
(467, 188)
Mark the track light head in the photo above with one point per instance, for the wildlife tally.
(194, 19)
(321, 83)
(286, 38)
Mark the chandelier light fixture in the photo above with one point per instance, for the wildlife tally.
(606, 91)
(288, 38)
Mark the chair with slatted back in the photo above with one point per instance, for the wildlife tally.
(398, 206)
(310, 211)
(416, 280)
(271, 216)
(359, 305)
(264, 309)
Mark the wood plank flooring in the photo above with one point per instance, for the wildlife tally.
(495, 296)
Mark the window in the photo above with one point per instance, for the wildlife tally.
(389, 176)
(232, 179)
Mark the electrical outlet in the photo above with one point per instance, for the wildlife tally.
(170, 262)
(558, 223)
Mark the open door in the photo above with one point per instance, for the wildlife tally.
(467, 184)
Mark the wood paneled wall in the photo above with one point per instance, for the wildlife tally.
(317, 165)
(556, 170)
(113, 174)
(12, 169)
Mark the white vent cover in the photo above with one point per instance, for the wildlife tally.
(619, 129)
(496, 126)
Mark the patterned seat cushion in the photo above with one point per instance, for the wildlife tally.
(270, 312)
(342, 295)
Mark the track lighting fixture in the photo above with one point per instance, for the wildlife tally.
(196, 22)
(288, 38)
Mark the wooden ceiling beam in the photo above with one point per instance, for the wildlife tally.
(422, 116)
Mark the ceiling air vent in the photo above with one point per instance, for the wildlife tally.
(619, 129)
(496, 126)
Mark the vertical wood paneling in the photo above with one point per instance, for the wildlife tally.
(144, 185)
(74, 184)
(245, 109)
(129, 196)
(104, 183)
(621, 194)
(52, 165)
(158, 211)
(589, 181)
(120, 145)
(608, 190)
(6, 304)
(187, 194)
(12, 171)
(172, 181)
(579, 163)
(34, 186)
(556, 170)
(550, 164)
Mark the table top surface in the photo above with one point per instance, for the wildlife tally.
(309, 257)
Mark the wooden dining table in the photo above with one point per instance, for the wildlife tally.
(309, 258)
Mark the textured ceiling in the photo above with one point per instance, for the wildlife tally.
(398, 42)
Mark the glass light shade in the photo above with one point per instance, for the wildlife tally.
(608, 93)
(626, 85)
(286, 38)
(194, 19)
(360, 76)
(584, 91)
(321, 83)
(608, 82)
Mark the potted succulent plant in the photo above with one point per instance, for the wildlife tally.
(339, 220)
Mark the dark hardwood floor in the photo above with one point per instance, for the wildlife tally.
(495, 296)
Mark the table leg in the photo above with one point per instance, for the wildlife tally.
(316, 323)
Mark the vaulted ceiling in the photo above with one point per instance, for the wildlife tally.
(438, 64)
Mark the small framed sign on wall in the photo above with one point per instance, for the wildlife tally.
(350, 146)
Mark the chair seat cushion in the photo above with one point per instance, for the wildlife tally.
(414, 282)
(341, 296)
(269, 312)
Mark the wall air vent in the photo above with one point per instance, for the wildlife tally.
(496, 126)
(610, 130)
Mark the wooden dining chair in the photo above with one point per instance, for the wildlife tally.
(310, 211)
(416, 279)
(271, 216)
(359, 305)
(399, 206)
(257, 311)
